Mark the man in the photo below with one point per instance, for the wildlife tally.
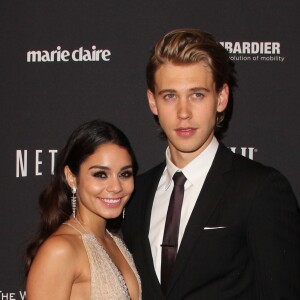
(239, 227)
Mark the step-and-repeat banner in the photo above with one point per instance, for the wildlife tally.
(66, 62)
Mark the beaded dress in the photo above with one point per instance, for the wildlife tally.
(107, 281)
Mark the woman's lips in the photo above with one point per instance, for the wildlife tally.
(111, 202)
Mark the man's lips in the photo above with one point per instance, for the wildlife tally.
(185, 131)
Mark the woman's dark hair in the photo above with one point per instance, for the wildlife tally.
(54, 201)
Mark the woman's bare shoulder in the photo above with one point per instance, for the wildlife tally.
(47, 274)
(61, 247)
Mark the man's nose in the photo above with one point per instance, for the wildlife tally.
(183, 109)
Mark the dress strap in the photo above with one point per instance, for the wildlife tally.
(76, 229)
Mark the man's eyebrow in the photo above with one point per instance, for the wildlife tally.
(166, 91)
(194, 89)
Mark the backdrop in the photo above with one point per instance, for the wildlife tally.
(67, 62)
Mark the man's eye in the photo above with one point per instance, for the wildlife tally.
(126, 174)
(169, 96)
(100, 174)
(198, 95)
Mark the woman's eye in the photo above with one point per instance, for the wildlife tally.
(100, 174)
(126, 174)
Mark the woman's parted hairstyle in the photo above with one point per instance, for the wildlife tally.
(186, 46)
(54, 201)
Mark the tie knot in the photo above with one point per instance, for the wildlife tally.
(179, 178)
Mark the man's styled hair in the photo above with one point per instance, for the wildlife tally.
(187, 46)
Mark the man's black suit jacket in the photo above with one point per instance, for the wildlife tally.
(255, 256)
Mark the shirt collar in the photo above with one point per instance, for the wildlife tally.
(195, 169)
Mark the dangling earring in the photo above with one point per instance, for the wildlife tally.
(123, 213)
(73, 201)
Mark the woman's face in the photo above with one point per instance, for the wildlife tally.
(105, 182)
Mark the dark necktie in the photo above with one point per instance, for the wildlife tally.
(170, 240)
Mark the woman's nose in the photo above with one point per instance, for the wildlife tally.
(114, 185)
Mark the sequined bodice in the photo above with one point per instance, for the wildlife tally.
(107, 281)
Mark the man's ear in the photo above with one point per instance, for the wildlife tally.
(152, 102)
(223, 97)
(70, 177)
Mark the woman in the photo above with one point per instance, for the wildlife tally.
(74, 256)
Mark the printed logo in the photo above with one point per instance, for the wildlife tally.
(33, 161)
(13, 295)
(22, 162)
(77, 55)
(245, 151)
(254, 51)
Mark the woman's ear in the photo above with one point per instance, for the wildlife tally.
(70, 177)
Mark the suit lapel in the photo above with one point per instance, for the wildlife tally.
(149, 189)
(211, 193)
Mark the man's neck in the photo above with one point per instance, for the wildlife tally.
(181, 159)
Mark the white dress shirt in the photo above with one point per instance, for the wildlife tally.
(195, 173)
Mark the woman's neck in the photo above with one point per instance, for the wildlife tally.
(94, 225)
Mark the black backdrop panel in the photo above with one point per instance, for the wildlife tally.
(42, 102)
